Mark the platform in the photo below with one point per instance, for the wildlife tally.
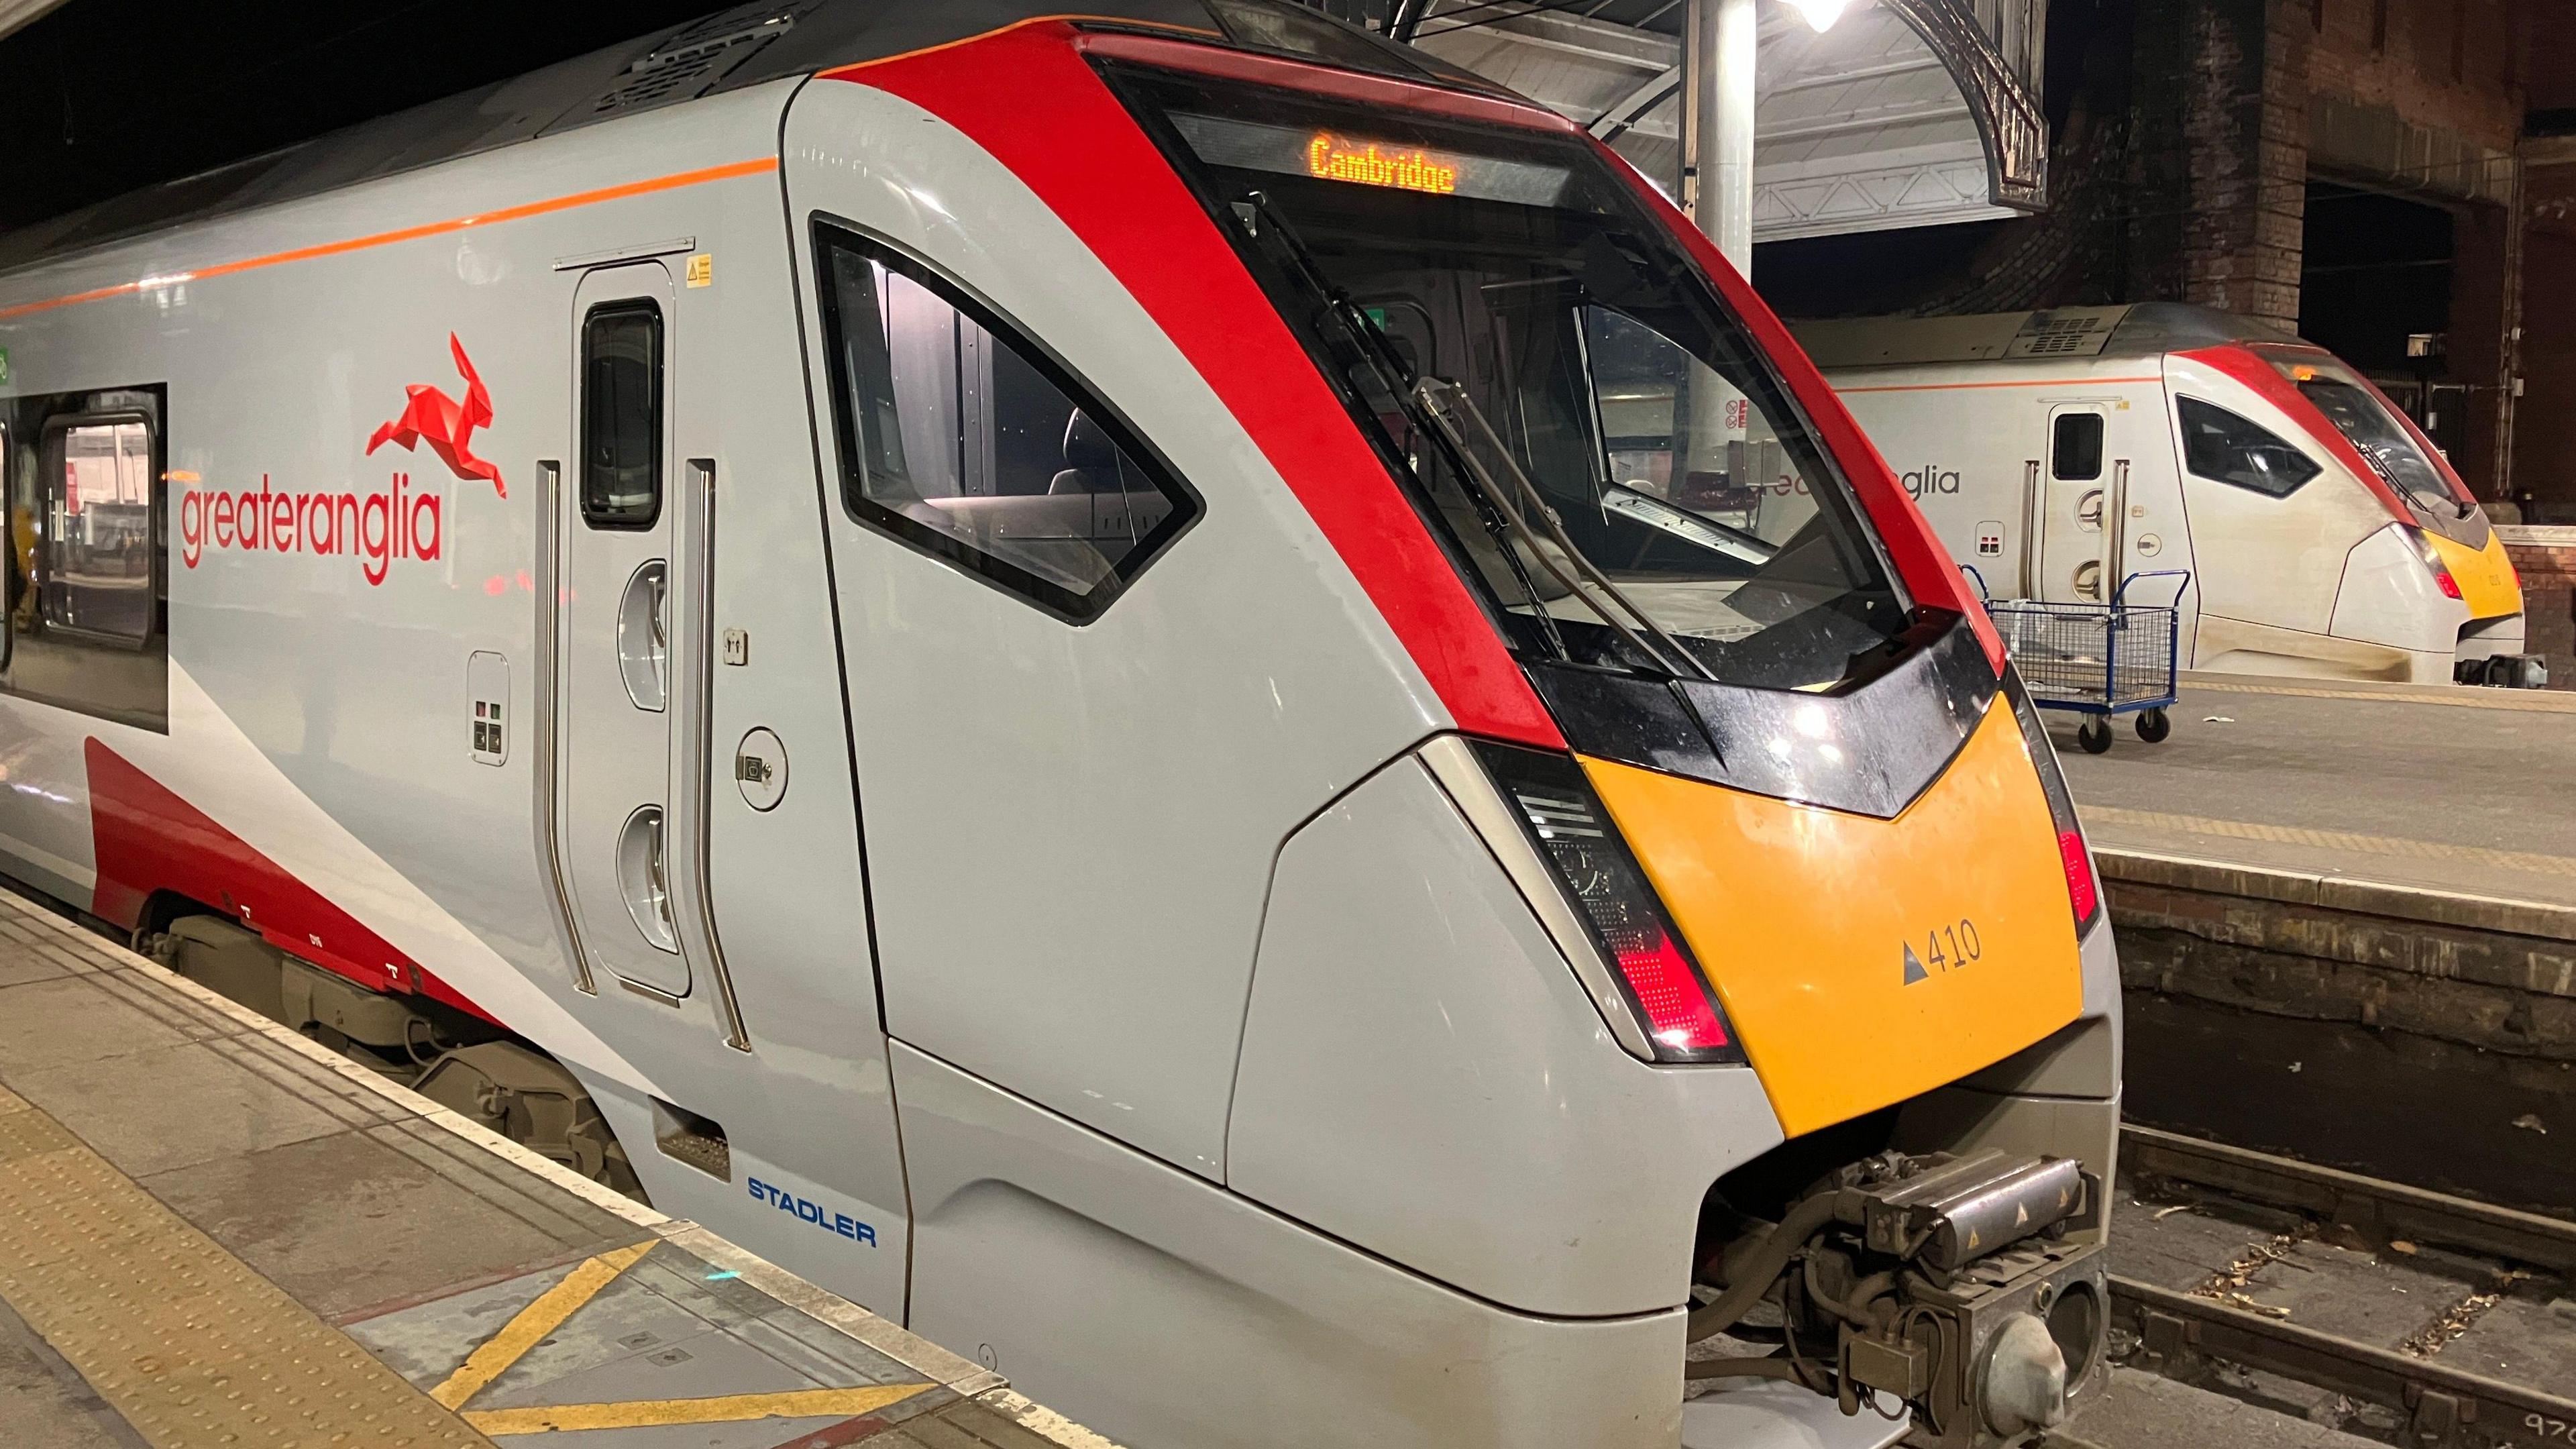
(2347, 921)
(220, 1233)
(2458, 790)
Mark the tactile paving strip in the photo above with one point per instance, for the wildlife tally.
(190, 1345)
(2342, 840)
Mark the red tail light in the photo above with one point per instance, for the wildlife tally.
(1668, 988)
(1663, 984)
(2432, 558)
(2083, 891)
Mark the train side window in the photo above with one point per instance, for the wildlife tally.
(89, 550)
(966, 440)
(2075, 453)
(13, 568)
(2219, 445)
(621, 414)
(97, 566)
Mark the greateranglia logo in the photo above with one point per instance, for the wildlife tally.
(431, 416)
(1931, 478)
(396, 521)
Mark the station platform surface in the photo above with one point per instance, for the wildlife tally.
(214, 1232)
(2462, 791)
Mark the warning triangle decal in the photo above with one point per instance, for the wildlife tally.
(1913, 967)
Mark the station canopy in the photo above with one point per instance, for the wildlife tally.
(1901, 113)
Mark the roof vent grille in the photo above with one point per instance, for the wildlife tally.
(688, 63)
(2068, 332)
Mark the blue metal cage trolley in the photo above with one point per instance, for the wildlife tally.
(2098, 660)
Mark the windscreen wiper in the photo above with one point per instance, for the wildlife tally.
(1396, 389)
(2418, 498)
(1372, 366)
(1690, 524)
(1472, 440)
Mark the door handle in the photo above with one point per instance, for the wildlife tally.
(643, 877)
(644, 636)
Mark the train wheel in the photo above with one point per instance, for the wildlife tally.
(2095, 735)
(2154, 725)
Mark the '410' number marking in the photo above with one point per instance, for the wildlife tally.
(1948, 947)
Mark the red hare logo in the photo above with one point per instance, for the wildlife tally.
(431, 416)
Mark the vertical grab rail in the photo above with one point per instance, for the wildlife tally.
(2034, 517)
(693, 641)
(547, 692)
(2115, 533)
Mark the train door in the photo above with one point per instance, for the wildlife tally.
(2075, 506)
(694, 655)
(614, 660)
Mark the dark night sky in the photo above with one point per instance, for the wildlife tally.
(103, 96)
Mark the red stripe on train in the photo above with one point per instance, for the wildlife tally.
(1058, 129)
(147, 839)
(1930, 574)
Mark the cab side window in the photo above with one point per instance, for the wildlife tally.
(963, 439)
(2219, 445)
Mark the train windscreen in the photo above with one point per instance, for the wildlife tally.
(1607, 453)
(2362, 414)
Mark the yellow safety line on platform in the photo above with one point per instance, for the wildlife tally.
(730, 1408)
(185, 1340)
(532, 1323)
(2525, 861)
(2464, 696)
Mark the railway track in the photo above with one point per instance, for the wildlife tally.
(2409, 1316)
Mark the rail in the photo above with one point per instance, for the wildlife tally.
(2443, 1406)
(2180, 1334)
(2379, 1210)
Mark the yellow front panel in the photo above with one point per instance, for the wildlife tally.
(1803, 918)
(2486, 577)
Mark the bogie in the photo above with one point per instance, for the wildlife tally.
(451, 1058)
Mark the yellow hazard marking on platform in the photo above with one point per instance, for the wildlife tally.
(728, 1409)
(531, 1324)
(185, 1340)
(2465, 696)
(2528, 862)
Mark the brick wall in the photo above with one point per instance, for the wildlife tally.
(2549, 607)
(2447, 63)
(2544, 423)
(2219, 166)
(2445, 75)
(2281, 203)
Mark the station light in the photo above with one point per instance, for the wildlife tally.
(1820, 14)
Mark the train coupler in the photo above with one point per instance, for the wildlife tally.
(1947, 1282)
